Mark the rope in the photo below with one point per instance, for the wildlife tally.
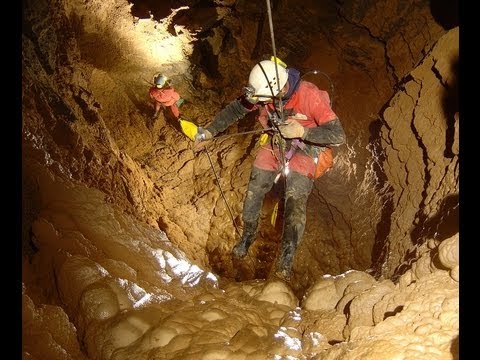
(215, 173)
(281, 141)
(243, 133)
(221, 191)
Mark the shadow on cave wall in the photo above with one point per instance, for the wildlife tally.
(445, 13)
(199, 17)
(158, 9)
(262, 27)
(444, 223)
(450, 105)
(380, 247)
(440, 226)
(204, 57)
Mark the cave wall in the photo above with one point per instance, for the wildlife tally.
(101, 185)
(420, 140)
(82, 123)
(367, 60)
(98, 131)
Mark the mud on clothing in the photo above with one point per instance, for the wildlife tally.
(308, 105)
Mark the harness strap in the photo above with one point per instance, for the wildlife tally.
(294, 145)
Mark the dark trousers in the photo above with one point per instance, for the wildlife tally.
(297, 190)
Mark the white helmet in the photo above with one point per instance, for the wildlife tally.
(263, 78)
(160, 80)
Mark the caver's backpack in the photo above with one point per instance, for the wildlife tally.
(324, 162)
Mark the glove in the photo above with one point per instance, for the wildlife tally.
(179, 102)
(252, 99)
(291, 129)
(249, 95)
(203, 134)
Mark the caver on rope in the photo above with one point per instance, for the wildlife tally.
(300, 130)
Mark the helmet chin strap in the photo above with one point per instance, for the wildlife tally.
(284, 90)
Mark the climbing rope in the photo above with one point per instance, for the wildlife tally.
(243, 133)
(215, 172)
(280, 141)
(279, 117)
(221, 191)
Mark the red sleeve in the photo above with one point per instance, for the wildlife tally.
(315, 103)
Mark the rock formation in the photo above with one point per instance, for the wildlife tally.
(126, 237)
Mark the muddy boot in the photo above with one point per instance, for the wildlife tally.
(241, 248)
(261, 181)
(283, 275)
(294, 227)
(285, 261)
(291, 235)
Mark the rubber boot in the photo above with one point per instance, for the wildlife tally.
(298, 190)
(241, 248)
(288, 247)
(261, 181)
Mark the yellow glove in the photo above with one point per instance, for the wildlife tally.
(291, 129)
(189, 128)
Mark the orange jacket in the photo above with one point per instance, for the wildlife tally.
(308, 100)
(165, 96)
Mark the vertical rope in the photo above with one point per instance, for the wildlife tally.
(281, 140)
(274, 51)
